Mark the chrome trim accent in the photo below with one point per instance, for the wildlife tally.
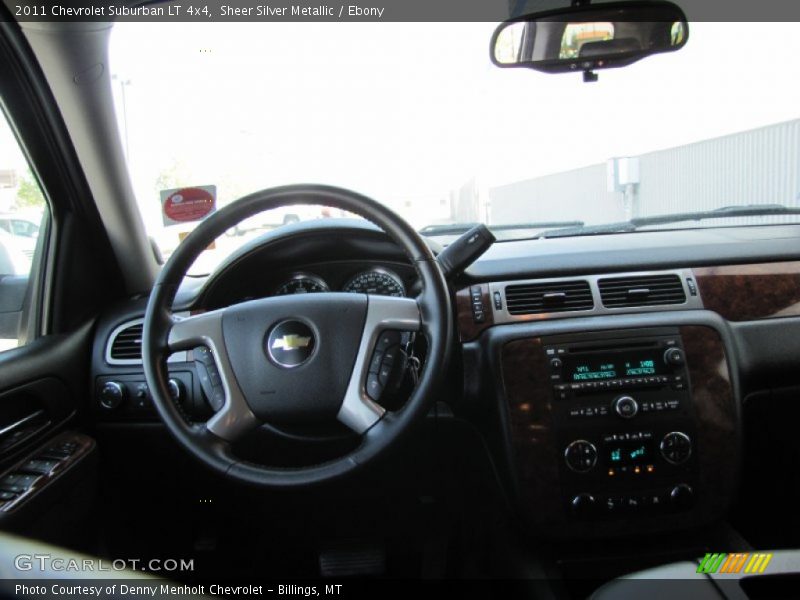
(235, 417)
(358, 411)
(174, 358)
(503, 316)
(21, 422)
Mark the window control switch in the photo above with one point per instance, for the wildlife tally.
(38, 466)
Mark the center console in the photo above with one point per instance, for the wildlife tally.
(618, 431)
(623, 415)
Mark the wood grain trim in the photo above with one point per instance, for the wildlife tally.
(715, 413)
(468, 329)
(749, 292)
(533, 438)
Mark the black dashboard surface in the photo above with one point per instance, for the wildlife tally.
(305, 245)
(335, 253)
(645, 250)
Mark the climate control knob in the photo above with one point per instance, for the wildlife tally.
(674, 357)
(625, 406)
(583, 504)
(581, 456)
(681, 496)
(676, 447)
(112, 394)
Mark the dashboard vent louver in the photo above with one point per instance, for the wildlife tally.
(558, 296)
(645, 290)
(127, 345)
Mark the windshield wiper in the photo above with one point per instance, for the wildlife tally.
(747, 210)
(459, 228)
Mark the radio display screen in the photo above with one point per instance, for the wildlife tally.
(616, 365)
(629, 452)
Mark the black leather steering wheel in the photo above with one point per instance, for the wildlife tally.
(296, 359)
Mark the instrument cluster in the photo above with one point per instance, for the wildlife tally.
(377, 280)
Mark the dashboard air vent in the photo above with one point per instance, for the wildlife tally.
(127, 344)
(645, 290)
(558, 296)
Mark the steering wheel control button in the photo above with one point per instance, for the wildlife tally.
(385, 373)
(676, 447)
(209, 377)
(387, 339)
(388, 363)
(290, 343)
(374, 387)
(581, 456)
(375, 362)
(112, 394)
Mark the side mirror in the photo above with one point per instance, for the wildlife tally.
(589, 37)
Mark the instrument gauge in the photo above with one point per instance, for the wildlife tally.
(302, 283)
(380, 282)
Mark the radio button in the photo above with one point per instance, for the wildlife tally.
(625, 406)
(674, 357)
(580, 456)
(556, 364)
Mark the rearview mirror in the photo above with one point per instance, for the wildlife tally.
(589, 37)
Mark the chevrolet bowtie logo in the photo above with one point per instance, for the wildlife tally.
(291, 341)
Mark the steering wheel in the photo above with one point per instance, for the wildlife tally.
(294, 360)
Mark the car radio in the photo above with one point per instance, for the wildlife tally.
(623, 416)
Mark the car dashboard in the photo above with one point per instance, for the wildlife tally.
(610, 397)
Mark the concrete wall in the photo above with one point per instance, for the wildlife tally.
(760, 166)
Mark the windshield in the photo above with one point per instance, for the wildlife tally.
(416, 116)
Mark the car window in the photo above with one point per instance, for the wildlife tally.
(442, 136)
(22, 210)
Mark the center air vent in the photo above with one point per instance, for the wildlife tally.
(127, 343)
(558, 296)
(645, 290)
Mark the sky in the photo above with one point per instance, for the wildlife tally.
(409, 111)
